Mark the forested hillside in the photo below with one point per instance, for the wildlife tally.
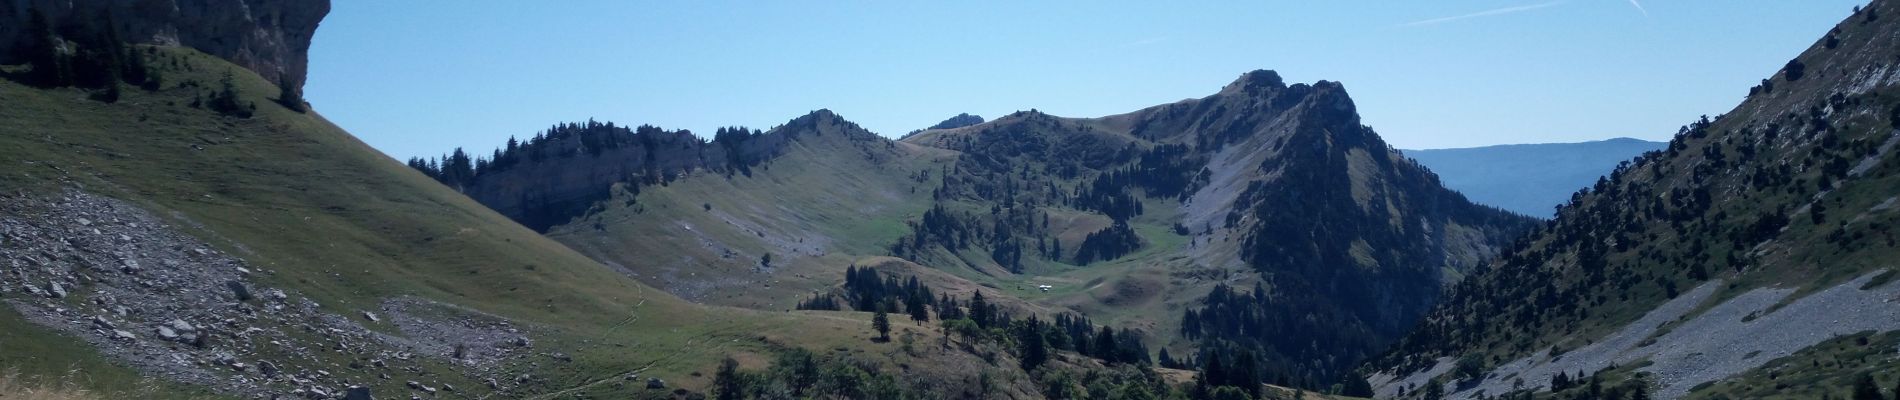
(1129, 220)
(174, 225)
(1753, 239)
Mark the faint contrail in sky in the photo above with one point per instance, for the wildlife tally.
(1639, 7)
(1485, 13)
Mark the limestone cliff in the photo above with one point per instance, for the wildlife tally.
(271, 37)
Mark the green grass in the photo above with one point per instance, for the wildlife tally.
(330, 218)
(45, 357)
(1827, 369)
(820, 196)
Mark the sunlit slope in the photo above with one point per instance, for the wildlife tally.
(833, 194)
(324, 216)
(1760, 238)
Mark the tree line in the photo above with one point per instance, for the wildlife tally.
(97, 58)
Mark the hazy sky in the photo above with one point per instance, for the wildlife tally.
(420, 77)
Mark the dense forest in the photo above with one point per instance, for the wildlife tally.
(656, 156)
(459, 169)
(1254, 325)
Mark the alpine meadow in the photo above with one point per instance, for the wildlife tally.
(179, 219)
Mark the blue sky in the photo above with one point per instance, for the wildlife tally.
(421, 77)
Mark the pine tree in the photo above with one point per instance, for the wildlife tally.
(979, 310)
(1035, 347)
(225, 101)
(1104, 345)
(111, 92)
(1434, 391)
(1866, 389)
(726, 383)
(1213, 374)
(50, 66)
(289, 96)
(137, 71)
(109, 50)
(882, 323)
(108, 62)
(914, 305)
(1229, 393)
(1356, 385)
(1247, 373)
(1134, 391)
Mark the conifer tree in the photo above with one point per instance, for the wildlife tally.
(1434, 391)
(50, 66)
(979, 310)
(882, 323)
(914, 305)
(1105, 345)
(1866, 389)
(225, 101)
(136, 71)
(1035, 347)
(289, 96)
(726, 382)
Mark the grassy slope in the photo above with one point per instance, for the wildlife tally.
(852, 209)
(1134, 291)
(326, 215)
(1802, 255)
(1823, 370)
(36, 358)
(815, 210)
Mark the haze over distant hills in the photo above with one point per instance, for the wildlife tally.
(176, 223)
(1752, 258)
(1529, 179)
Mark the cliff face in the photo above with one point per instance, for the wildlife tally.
(1350, 242)
(1754, 235)
(271, 37)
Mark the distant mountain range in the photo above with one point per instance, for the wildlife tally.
(1529, 179)
(1751, 258)
(208, 235)
(1151, 205)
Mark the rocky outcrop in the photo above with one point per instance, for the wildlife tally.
(1768, 203)
(1354, 240)
(271, 37)
(175, 307)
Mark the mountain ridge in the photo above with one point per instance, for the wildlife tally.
(160, 248)
(1530, 178)
(1783, 202)
(1168, 195)
(274, 43)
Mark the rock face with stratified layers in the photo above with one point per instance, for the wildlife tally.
(271, 37)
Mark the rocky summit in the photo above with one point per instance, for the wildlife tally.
(269, 37)
(178, 222)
